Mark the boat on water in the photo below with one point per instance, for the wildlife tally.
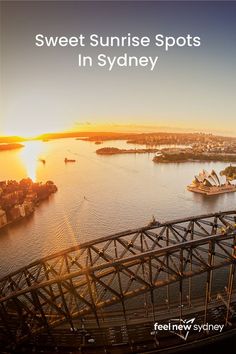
(98, 142)
(42, 160)
(69, 160)
(210, 184)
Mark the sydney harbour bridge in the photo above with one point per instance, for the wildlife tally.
(105, 295)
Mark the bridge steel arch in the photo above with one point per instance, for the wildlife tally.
(95, 278)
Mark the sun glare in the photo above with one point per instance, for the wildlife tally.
(30, 156)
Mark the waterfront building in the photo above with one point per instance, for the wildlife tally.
(14, 213)
(28, 208)
(3, 218)
(210, 184)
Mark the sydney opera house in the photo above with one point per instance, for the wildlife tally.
(210, 184)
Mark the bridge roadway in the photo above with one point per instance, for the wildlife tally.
(105, 295)
(136, 337)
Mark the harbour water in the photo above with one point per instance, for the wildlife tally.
(97, 196)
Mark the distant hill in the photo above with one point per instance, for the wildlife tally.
(11, 139)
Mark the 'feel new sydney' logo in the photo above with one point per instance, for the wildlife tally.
(182, 327)
(177, 326)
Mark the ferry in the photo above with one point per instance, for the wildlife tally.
(68, 160)
(210, 184)
(42, 160)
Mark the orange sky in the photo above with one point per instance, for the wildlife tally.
(32, 129)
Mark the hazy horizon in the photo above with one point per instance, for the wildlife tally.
(126, 129)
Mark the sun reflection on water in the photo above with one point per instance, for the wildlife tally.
(30, 155)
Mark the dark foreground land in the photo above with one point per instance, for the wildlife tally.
(18, 199)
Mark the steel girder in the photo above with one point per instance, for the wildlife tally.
(86, 279)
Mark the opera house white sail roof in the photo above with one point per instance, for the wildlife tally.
(209, 179)
(210, 184)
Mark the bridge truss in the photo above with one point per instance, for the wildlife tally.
(147, 272)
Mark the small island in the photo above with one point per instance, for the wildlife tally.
(116, 151)
(5, 147)
(19, 199)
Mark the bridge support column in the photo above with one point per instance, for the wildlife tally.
(211, 253)
(231, 282)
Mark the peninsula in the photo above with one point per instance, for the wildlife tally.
(189, 154)
(210, 184)
(13, 146)
(19, 199)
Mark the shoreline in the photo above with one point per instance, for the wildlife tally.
(220, 191)
(13, 222)
(18, 200)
